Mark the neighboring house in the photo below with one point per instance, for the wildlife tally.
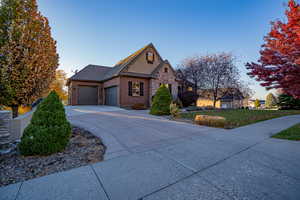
(133, 80)
(230, 100)
(252, 103)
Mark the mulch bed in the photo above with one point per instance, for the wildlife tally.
(83, 148)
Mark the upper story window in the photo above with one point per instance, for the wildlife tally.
(150, 57)
(166, 70)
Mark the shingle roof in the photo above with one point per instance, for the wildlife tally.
(160, 66)
(102, 73)
(132, 56)
(91, 73)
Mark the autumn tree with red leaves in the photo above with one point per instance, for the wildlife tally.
(279, 64)
(28, 57)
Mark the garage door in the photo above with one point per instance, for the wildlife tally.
(88, 95)
(111, 96)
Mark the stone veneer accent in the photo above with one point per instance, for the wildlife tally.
(164, 78)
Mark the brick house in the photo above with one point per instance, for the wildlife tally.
(133, 80)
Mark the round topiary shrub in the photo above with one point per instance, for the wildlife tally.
(49, 130)
(161, 101)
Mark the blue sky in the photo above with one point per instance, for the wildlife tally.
(103, 32)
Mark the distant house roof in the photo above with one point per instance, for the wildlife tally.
(231, 94)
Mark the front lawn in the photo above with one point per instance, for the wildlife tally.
(236, 118)
(292, 133)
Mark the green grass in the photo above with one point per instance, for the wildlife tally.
(236, 118)
(292, 133)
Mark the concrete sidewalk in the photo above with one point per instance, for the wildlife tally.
(243, 163)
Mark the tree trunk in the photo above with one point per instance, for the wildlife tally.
(214, 100)
(215, 103)
(15, 111)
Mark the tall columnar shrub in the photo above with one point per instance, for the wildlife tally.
(49, 130)
(161, 101)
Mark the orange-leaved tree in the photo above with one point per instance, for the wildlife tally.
(58, 85)
(28, 56)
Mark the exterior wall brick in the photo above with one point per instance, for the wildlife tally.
(128, 101)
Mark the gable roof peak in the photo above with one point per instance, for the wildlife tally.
(133, 55)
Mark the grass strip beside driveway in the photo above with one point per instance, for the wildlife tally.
(237, 118)
(292, 133)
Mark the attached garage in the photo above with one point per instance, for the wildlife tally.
(88, 95)
(111, 96)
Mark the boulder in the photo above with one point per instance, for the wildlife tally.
(208, 120)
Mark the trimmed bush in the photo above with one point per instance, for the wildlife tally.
(178, 102)
(174, 110)
(188, 98)
(161, 101)
(49, 130)
(287, 102)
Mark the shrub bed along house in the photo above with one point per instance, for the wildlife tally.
(139, 106)
(161, 101)
(49, 130)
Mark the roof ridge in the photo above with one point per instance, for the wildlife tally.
(133, 55)
(98, 66)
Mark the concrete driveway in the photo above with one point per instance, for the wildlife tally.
(151, 158)
(127, 131)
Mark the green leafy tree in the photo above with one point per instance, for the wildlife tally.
(257, 103)
(271, 101)
(49, 130)
(288, 102)
(28, 56)
(161, 101)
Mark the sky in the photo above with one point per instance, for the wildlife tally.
(103, 32)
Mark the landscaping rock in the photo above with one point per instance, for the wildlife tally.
(209, 120)
(83, 148)
(208, 117)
